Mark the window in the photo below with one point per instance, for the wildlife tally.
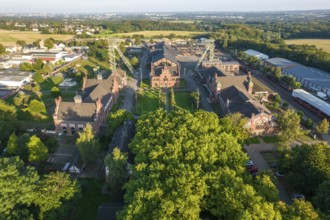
(73, 130)
(64, 130)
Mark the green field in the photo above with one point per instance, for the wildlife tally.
(319, 43)
(9, 38)
(157, 33)
(184, 101)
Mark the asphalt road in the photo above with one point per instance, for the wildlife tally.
(254, 152)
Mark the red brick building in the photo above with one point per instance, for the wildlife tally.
(227, 67)
(165, 69)
(91, 106)
(239, 94)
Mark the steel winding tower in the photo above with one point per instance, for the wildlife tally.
(113, 46)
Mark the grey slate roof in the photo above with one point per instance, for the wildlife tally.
(314, 75)
(164, 52)
(210, 72)
(77, 112)
(94, 89)
(281, 62)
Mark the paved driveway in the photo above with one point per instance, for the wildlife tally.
(254, 151)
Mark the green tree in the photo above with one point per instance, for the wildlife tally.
(323, 127)
(308, 166)
(37, 150)
(48, 68)
(322, 196)
(116, 163)
(22, 43)
(38, 64)
(234, 124)
(22, 148)
(8, 121)
(116, 119)
(301, 210)
(53, 190)
(289, 124)
(122, 47)
(225, 43)
(37, 43)
(87, 145)
(37, 77)
(277, 98)
(17, 185)
(278, 72)
(134, 62)
(55, 92)
(12, 144)
(178, 154)
(49, 43)
(196, 98)
(137, 40)
(173, 103)
(26, 66)
(2, 49)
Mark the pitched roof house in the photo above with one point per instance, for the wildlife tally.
(91, 106)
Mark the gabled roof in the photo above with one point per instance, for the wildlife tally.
(164, 52)
(239, 101)
(210, 72)
(76, 112)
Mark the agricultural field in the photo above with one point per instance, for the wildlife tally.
(157, 33)
(9, 38)
(319, 43)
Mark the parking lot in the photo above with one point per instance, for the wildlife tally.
(254, 152)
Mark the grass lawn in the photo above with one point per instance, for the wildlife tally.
(252, 140)
(184, 101)
(90, 201)
(305, 138)
(9, 38)
(271, 139)
(182, 83)
(157, 33)
(319, 43)
(149, 101)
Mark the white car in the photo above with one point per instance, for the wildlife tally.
(249, 163)
(279, 174)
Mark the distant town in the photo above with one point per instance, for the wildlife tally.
(202, 115)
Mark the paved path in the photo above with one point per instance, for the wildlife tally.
(254, 151)
(130, 90)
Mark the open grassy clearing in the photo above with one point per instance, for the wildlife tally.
(149, 101)
(157, 33)
(184, 101)
(319, 43)
(9, 38)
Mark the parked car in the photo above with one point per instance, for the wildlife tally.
(249, 163)
(279, 174)
(253, 169)
(297, 196)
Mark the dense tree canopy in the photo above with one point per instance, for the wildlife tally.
(8, 121)
(87, 145)
(185, 163)
(289, 124)
(26, 195)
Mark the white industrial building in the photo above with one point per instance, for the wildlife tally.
(310, 78)
(14, 78)
(257, 54)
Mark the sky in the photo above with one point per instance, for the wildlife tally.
(92, 6)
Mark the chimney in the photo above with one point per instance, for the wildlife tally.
(77, 99)
(250, 89)
(99, 76)
(98, 108)
(84, 83)
(57, 103)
